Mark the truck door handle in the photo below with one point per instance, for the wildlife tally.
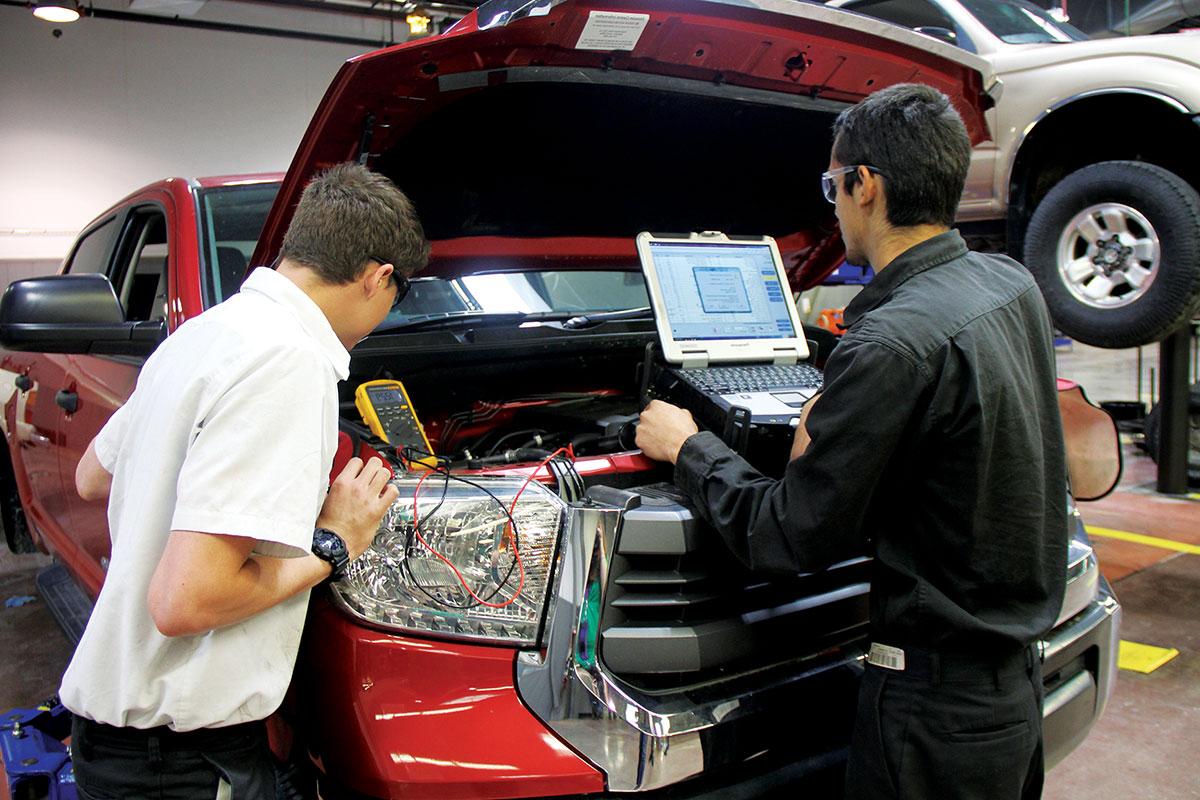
(23, 382)
(67, 401)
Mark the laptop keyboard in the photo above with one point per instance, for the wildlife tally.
(754, 378)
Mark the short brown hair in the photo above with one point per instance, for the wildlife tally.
(349, 215)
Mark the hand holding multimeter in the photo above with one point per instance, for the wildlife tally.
(385, 407)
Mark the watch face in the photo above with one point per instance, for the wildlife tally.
(328, 545)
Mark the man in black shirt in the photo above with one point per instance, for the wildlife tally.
(936, 446)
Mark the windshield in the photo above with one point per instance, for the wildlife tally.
(547, 291)
(231, 219)
(1019, 22)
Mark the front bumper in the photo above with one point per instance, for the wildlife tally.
(1079, 669)
(387, 715)
(404, 716)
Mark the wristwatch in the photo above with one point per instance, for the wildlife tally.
(328, 546)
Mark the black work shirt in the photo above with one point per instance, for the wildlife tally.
(936, 447)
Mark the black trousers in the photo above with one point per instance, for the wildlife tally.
(232, 763)
(958, 730)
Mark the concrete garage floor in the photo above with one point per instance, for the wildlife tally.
(33, 650)
(1143, 745)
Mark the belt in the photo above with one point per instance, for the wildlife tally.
(138, 738)
(936, 667)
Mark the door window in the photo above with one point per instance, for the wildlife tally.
(140, 272)
(909, 13)
(919, 15)
(91, 254)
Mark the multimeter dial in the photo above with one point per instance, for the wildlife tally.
(396, 418)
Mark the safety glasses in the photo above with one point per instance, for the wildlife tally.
(829, 186)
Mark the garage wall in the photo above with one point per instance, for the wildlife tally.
(109, 106)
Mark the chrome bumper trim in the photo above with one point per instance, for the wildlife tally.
(1067, 633)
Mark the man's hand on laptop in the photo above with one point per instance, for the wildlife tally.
(662, 430)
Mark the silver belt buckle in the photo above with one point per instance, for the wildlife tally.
(881, 655)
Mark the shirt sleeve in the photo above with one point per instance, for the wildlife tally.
(814, 516)
(255, 465)
(108, 440)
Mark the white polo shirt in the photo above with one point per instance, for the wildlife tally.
(231, 430)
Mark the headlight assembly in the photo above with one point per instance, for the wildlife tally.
(1083, 572)
(462, 570)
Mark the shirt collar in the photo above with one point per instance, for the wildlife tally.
(274, 286)
(912, 262)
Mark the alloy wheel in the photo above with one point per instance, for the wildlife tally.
(1108, 255)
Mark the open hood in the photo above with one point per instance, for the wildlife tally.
(559, 130)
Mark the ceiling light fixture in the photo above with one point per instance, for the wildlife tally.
(418, 24)
(56, 10)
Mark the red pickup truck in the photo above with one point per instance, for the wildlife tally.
(632, 655)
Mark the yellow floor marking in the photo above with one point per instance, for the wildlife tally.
(1144, 658)
(1139, 538)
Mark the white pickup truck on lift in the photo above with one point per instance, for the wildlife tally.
(1090, 178)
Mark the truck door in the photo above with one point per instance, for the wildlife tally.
(38, 412)
(101, 384)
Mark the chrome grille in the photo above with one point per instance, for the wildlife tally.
(680, 609)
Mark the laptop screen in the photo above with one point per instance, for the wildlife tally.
(718, 291)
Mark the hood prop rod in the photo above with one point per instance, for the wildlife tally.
(364, 142)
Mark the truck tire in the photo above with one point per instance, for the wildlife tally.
(12, 515)
(1154, 426)
(1115, 248)
(16, 529)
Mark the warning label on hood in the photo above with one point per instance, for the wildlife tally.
(611, 30)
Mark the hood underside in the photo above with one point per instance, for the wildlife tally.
(717, 118)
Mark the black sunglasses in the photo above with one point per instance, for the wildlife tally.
(402, 284)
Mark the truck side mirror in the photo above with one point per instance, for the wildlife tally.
(72, 314)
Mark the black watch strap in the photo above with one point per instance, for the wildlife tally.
(329, 546)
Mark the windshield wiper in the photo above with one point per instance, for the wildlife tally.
(453, 320)
(595, 318)
(571, 319)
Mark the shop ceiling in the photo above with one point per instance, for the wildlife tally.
(389, 21)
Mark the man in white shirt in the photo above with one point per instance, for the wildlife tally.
(221, 514)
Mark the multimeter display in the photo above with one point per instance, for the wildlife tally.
(386, 409)
(384, 396)
(396, 418)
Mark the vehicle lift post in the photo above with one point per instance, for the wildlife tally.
(1173, 390)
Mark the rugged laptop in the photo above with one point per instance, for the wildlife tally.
(730, 337)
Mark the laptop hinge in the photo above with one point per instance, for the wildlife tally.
(695, 359)
(787, 355)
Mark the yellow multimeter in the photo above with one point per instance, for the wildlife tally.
(385, 407)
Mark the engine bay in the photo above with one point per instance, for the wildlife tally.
(523, 430)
